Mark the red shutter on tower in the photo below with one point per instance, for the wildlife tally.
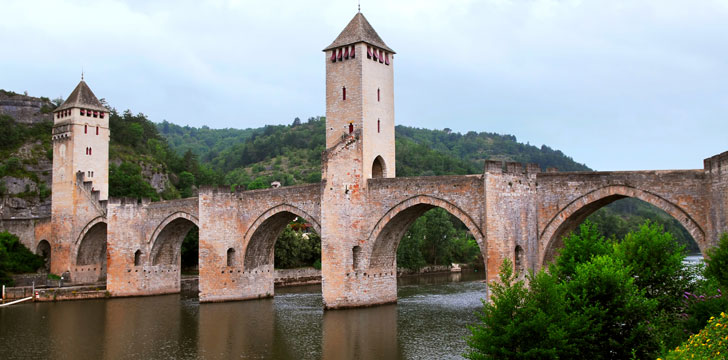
(96, 113)
(381, 56)
(333, 55)
(340, 56)
(369, 52)
(376, 57)
(101, 114)
(344, 93)
(386, 58)
(346, 53)
(353, 52)
(83, 112)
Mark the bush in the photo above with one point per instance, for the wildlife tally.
(717, 262)
(710, 343)
(15, 258)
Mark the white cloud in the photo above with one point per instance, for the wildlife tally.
(644, 79)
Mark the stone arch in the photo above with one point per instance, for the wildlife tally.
(166, 240)
(379, 168)
(392, 226)
(573, 214)
(91, 243)
(261, 236)
(44, 249)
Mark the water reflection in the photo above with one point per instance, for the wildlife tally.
(428, 322)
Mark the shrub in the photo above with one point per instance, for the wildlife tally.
(717, 262)
(709, 343)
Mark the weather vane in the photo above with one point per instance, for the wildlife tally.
(359, 3)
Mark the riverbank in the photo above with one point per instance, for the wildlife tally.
(51, 290)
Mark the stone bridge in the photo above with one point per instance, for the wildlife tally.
(513, 211)
(360, 208)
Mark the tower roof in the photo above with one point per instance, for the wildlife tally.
(359, 30)
(82, 97)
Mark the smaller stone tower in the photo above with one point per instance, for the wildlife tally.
(80, 171)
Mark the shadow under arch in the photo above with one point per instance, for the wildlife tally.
(90, 253)
(573, 214)
(44, 250)
(166, 240)
(261, 236)
(91, 242)
(391, 227)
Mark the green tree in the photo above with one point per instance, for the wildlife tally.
(15, 258)
(409, 255)
(717, 262)
(656, 263)
(126, 180)
(580, 248)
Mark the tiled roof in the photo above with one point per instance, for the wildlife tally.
(359, 30)
(82, 97)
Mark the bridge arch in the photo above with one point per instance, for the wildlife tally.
(260, 238)
(166, 240)
(91, 243)
(573, 214)
(391, 227)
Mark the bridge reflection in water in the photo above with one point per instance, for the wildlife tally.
(428, 322)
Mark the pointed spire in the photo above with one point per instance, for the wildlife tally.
(82, 97)
(359, 30)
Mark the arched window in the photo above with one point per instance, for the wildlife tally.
(378, 168)
(138, 258)
(355, 253)
(343, 93)
(231, 257)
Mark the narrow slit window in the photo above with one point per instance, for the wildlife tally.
(97, 130)
(351, 128)
(378, 95)
(90, 151)
(85, 129)
(379, 128)
(231, 257)
(343, 93)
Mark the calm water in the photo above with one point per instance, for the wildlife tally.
(429, 322)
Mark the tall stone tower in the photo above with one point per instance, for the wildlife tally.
(80, 172)
(359, 146)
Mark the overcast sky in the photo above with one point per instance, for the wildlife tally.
(616, 84)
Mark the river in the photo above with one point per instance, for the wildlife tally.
(428, 322)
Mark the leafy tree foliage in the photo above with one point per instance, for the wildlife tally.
(717, 262)
(600, 300)
(297, 248)
(15, 258)
(126, 180)
(437, 238)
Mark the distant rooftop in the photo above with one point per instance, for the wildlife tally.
(82, 97)
(359, 30)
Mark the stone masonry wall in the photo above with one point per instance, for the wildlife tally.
(143, 227)
(231, 221)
